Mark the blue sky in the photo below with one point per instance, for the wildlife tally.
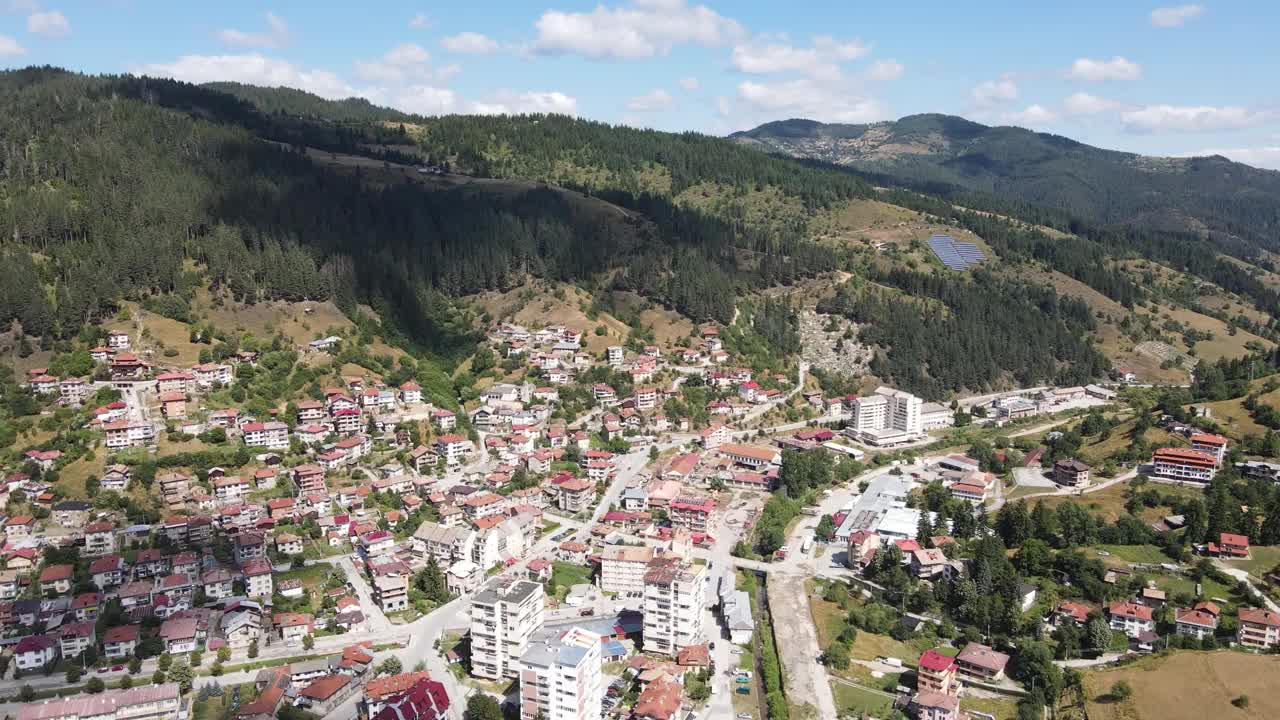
(1165, 79)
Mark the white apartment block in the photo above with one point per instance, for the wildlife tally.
(622, 568)
(502, 622)
(887, 416)
(125, 434)
(271, 435)
(561, 679)
(674, 605)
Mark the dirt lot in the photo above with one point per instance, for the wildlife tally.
(798, 648)
(1189, 686)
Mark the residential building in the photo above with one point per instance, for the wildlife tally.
(980, 662)
(1230, 546)
(125, 434)
(34, 652)
(886, 417)
(391, 592)
(502, 621)
(99, 539)
(257, 578)
(145, 702)
(75, 638)
(446, 544)
(1183, 464)
(271, 435)
(292, 626)
(120, 641)
(623, 567)
(692, 513)
(936, 706)
(1200, 621)
(576, 495)
(453, 448)
(561, 679)
(1070, 472)
(1131, 618)
(674, 603)
(1259, 628)
(179, 635)
(752, 456)
(936, 673)
(482, 505)
(1211, 444)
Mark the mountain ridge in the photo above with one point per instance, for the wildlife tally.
(948, 155)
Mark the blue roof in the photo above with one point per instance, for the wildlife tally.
(613, 648)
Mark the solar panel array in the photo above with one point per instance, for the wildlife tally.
(955, 255)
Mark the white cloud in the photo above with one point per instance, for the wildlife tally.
(885, 70)
(51, 24)
(509, 103)
(724, 106)
(1032, 116)
(470, 43)
(1117, 68)
(809, 99)
(1086, 104)
(420, 22)
(426, 100)
(19, 6)
(651, 101)
(402, 63)
(253, 69)
(689, 83)
(820, 60)
(275, 36)
(10, 47)
(642, 29)
(842, 51)
(411, 96)
(1263, 157)
(1202, 118)
(1167, 17)
(990, 92)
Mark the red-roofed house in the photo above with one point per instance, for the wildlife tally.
(1259, 628)
(936, 673)
(1131, 618)
(1231, 546)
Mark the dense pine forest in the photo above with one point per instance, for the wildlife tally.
(112, 191)
(118, 187)
(968, 335)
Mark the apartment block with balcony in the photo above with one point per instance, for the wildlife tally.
(561, 678)
(674, 604)
(503, 618)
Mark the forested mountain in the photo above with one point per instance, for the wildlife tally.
(122, 188)
(945, 155)
(110, 183)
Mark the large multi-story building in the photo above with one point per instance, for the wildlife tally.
(147, 702)
(886, 417)
(1214, 445)
(622, 568)
(1183, 464)
(502, 621)
(674, 604)
(560, 677)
